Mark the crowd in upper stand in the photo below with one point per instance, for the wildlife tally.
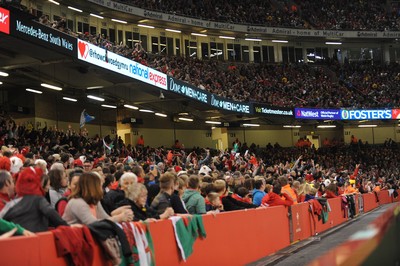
(324, 14)
(330, 85)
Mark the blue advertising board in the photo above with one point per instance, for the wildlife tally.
(371, 114)
(311, 113)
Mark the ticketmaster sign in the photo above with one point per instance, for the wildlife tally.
(100, 57)
(243, 28)
(272, 110)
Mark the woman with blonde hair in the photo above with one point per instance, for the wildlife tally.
(303, 190)
(136, 198)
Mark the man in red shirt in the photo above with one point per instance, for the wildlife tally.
(140, 141)
(6, 188)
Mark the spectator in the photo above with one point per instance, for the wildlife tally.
(213, 202)
(136, 198)
(258, 192)
(140, 142)
(84, 205)
(6, 188)
(58, 185)
(276, 198)
(177, 202)
(331, 191)
(311, 194)
(163, 200)
(194, 202)
(229, 203)
(287, 189)
(8, 229)
(116, 195)
(30, 209)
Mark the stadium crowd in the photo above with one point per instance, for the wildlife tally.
(326, 15)
(330, 85)
(67, 178)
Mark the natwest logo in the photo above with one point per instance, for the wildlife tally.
(4, 20)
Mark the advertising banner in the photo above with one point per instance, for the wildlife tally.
(4, 21)
(34, 32)
(373, 114)
(229, 105)
(185, 89)
(272, 110)
(101, 57)
(311, 113)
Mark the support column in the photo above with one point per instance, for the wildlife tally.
(221, 136)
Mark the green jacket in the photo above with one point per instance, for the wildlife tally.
(194, 201)
(6, 226)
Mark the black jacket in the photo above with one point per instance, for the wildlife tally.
(140, 214)
(176, 203)
(104, 229)
(110, 200)
(230, 204)
(33, 213)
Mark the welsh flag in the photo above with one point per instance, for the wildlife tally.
(187, 230)
(144, 244)
(141, 243)
(108, 146)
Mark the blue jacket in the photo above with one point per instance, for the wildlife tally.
(257, 196)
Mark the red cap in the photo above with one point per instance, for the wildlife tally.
(78, 162)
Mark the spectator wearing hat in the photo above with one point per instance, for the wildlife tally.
(16, 164)
(6, 188)
(31, 210)
(78, 163)
(42, 164)
(205, 170)
(349, 189)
